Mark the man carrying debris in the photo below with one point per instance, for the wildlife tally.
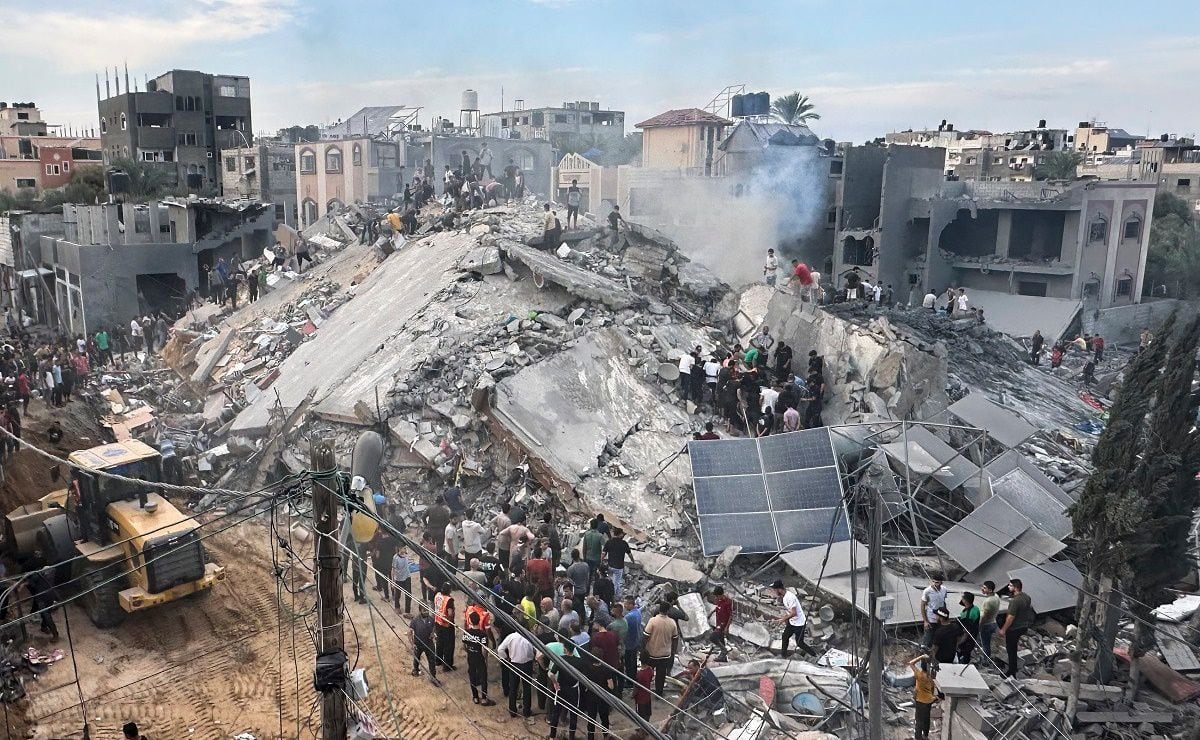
(614, 219)
(1019, 620)
(793, 620)
(932, 599)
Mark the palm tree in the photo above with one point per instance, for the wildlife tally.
(1060, 165)
(793, 108)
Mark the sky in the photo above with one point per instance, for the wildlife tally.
(868, 67)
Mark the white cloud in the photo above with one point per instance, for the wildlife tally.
(78, 40)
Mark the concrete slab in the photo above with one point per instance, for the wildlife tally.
(1019, 482)
(1022, 315)
(808, 563)
(567, 407)
(961, 680)
(666, 568)
(1002, 424)
(583, 283)
(1175, 649)
(360, 349)
(1031, 546)
(696, 608)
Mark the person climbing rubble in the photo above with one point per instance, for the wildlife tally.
(793, 619)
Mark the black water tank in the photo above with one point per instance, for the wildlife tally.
(1042, 123)
(738, 106)
(762, 104)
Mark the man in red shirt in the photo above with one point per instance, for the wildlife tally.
(606, 646)
(539, 573)
(1098, 346)
(723, 616)
(641, 692)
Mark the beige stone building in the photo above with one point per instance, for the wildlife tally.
(685, 140)
(333, 174)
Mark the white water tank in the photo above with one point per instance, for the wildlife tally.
(470, 100)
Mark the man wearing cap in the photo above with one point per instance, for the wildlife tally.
(932, 599)
(793, 619)
(946, 634)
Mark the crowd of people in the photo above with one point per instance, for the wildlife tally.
(574, 599)
(757, 389)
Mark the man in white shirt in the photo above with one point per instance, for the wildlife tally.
(712, 369)
(452, 542)
(961, 304)
(932, 598)
(769, 397)
(686, 362)
(485, 159)
(791, 420)
(518, 653)
(878, 294)
(930, 301)
(771, 268)
(135, 334)
(574, 198)
(793, 619)
(472, 535)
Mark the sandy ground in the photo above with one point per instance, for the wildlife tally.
(234, 662)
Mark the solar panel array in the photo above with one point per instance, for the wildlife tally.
(773, 494)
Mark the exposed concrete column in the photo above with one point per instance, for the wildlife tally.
(1003, 233)
(155, 222)
(1116, 230)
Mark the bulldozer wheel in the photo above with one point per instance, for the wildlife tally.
(56, 540)
(102, 600)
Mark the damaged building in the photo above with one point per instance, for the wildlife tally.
(115, 261)
(1058, 247)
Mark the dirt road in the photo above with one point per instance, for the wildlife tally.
(234, 662)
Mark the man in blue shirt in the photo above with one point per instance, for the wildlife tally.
(633, 638)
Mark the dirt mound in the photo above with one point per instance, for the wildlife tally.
(27, 475)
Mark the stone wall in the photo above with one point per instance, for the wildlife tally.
(871, 371)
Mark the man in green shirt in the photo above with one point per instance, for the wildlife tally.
(593, 549)
(620, 628)
(106, 357)
(989, 607)
(969, 619)
(1019, 619)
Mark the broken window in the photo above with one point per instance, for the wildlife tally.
(309, 211)
(1183, 183)
(178, 102)
(280, 212)
(249, 163)
(503, 123)
(230, 164)
(525, 121)
(1124, 287)
(1133, 228)
(971, 160)
(1031, 287)
(357, 156)
(859, 252)
(1098, 230)
(835, 166)
(832, 217)
(26, 182)
(308, 161)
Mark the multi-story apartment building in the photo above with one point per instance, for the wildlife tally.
(577, 126)
(332, 174)
(264, 172)
(31, 158)
(181, 121)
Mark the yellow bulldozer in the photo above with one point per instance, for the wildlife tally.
(124, 547)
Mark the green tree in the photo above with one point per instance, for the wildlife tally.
(1174, 257)
(146, 180)
(793, 108)
(628, 151)
(1060, 165)
(22, 200)
(1164, 484)
(86, 186)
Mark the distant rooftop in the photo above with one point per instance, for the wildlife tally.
(683, 117)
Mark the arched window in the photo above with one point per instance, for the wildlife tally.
(308, 160)
(309, 211)
(1133, 228)
(333, 159)
(356, 156)
(1098, 229)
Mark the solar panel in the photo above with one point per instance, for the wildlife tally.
(773, 494)
(810, 448)
(730, 494)
(754, 532)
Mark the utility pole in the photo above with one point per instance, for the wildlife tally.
(330, 629)
(875, 636)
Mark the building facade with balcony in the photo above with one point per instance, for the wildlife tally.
(579, 126)
(330, 175)
(181, 121)
(264, 172)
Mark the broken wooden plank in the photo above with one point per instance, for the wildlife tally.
(1062, 689)
(1178, 654)
(1131, 718)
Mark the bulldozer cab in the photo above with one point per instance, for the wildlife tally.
(90, 494)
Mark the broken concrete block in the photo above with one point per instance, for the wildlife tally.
(666, 568)
(485, 260)
(696, 608)
(961, 680)
(550, 321)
